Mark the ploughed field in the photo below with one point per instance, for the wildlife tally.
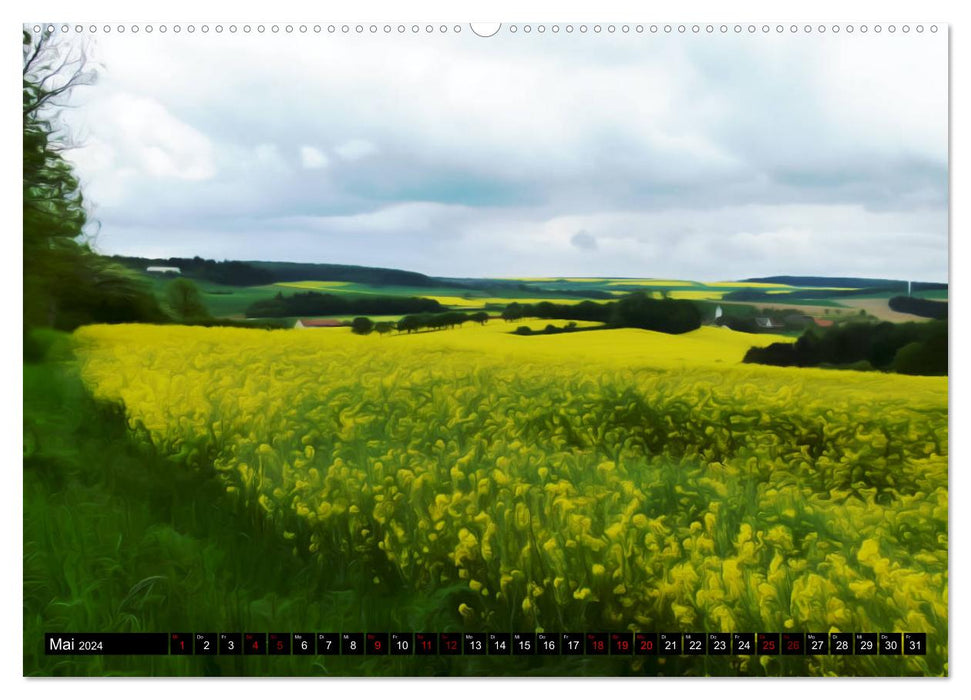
(591, 481)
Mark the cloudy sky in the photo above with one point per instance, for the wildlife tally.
(700, 157)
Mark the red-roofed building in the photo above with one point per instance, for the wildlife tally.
(317, 323)
(822, 322)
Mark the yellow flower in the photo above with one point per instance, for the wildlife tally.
(863, 589)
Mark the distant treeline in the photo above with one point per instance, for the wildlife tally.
(417, 322)
(633, 311)
(255, 272)
(228, 272)
(498, 289)
(377, 276)
(927, 308)
(908, 348)
(317, 304)
(550, 329)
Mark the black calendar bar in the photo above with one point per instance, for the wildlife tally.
(107, 643)
(374, 644)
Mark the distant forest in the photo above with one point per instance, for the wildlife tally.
(907, 348)
(635, 310)
(316, 304)
(920, 307)
(254, 273)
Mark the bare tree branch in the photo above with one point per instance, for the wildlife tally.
(46, 63)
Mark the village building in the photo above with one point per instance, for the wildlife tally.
(317, 323)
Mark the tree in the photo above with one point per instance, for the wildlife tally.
(383, 327)
(185, 300)
(362, 325)
(65, 282)
(637, 310)
(54, 215)
(480, 317)
(408, 324)
(513, 312)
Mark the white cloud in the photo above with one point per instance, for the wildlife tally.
(355, 149)
(313, 158)
(703, 156)
(154, 141)
(129, 138)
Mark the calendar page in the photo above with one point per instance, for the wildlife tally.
(514, 349)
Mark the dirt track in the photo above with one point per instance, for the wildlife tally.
(880, 309)
(874, 307)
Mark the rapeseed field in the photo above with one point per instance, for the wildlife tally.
(602, 480)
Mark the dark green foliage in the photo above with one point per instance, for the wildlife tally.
(909, 348)
(317, 304)
(742, 324)
(635, 310)
(550, 329)
(362, 325)
(927, 357)
(375, 276)
(535, 291)
(44, 344)
(436, 322)
(228, 272)
(449, 319)
(665, 315)
(584, 311)
(185, 300)
(258, 272)
(266, 324)
(927, 308)
(480, 317)
(408, 324)
(513, 312)
(95, 290)
(383, 327)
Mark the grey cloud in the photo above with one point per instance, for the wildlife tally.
(583, 241)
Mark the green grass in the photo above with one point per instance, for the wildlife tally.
(220, 300)
(936, 294)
